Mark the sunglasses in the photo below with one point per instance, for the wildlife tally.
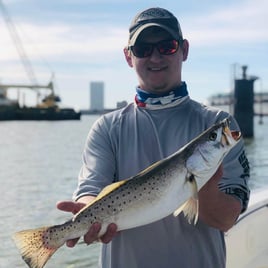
(165, 47)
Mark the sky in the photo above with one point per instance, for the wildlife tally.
(76, 42)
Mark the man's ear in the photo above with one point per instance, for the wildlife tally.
(185, 49)
(128, 57)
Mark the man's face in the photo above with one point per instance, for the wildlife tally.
(158, 73)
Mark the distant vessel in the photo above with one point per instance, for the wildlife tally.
(48, 109)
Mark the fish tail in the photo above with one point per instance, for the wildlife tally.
(33, 246)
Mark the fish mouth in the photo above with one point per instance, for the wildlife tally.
(236, 135)
(230, 136)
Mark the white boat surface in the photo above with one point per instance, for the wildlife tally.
(247, 240)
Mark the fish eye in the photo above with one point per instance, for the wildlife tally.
(212, 136)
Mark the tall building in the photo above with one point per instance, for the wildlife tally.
(97, 95)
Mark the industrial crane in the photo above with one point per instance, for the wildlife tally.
(48, 101)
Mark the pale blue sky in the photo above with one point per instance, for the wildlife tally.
(82, 41)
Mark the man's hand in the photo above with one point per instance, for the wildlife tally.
(92, 234)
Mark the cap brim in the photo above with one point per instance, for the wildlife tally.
(133, 39)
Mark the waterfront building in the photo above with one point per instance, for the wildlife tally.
(97, 96)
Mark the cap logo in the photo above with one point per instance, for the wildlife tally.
(154, 17)
(153, 13)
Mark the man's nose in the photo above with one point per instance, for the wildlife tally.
(155, 54)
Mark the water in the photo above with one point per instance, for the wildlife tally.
(39, 166)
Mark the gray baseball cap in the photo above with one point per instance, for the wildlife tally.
(154, 17)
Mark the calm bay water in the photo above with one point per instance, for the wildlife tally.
(39, 166)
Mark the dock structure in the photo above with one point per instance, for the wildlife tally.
(243, 103)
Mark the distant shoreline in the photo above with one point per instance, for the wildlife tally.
(92, 112)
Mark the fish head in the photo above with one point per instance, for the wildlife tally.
(209, 150)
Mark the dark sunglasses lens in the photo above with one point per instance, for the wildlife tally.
(142, 50)
(168, 47)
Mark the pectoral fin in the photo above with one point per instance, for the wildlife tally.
(191, 206)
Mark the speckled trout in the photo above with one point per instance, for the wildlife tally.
(168, 186)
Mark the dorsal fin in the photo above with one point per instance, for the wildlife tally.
(110, 188)
(105, 191)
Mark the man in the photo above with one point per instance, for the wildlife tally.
(162, 119)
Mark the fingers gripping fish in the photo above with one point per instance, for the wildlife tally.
(168, 186)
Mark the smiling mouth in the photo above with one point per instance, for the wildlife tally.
(157, 69)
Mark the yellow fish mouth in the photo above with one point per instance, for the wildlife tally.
(229, 135)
